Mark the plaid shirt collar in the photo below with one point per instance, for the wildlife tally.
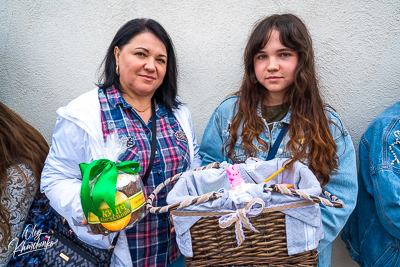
(115, 98)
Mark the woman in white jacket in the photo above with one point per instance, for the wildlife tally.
(139, 71)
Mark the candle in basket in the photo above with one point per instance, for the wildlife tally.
(235, 178)
(290, 186)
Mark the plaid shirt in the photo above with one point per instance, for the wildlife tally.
(150, 241)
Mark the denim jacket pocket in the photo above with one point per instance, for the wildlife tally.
(286, 154)
(378, 247)
(238, 153)
(390, 258)
(239, 159)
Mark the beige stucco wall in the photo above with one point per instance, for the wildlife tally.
(50, 52)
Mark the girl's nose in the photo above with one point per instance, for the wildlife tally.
(272, 64)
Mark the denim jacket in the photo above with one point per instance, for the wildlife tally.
(372, 234)
(343, 182)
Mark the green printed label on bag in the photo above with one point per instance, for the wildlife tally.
(137, 201)
(123, 209)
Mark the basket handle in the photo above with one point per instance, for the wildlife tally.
(198, 200)
(330, 201)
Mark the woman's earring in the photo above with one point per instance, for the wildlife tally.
(117, 70)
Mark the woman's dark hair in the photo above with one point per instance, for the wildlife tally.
(19, 143)
(167, 92)
(309, 132)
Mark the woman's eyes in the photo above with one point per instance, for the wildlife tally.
(140, 54)
(143, 55)
(161, 60)
(261, 56)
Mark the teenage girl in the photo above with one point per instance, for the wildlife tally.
(279, 92)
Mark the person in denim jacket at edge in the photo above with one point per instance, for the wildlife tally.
(372, 233)
(280, 87)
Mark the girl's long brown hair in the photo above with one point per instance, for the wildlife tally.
(309, 132)
(19, 143)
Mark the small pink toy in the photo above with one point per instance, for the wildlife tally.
(238, 184)
(234, 175)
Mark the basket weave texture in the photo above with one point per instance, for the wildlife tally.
(214, 246)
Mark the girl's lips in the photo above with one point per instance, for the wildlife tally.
(273, 79)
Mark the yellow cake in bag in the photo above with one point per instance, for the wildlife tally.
(130, 206)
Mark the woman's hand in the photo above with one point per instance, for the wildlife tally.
(172, 222)
(84, 221)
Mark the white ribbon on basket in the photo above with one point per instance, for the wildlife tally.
(240, 217)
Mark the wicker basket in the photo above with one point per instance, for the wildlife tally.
(216, 246)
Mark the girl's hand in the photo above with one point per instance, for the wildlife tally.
(84, 221)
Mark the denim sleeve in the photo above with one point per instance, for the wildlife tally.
(212, 142)
(383, 179)
(343, 184)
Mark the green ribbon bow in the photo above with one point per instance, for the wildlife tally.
(104, 188)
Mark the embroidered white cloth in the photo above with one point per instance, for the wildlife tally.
(303, 224)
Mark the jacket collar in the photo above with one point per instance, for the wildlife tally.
(115, 98)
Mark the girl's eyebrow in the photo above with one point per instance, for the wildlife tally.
(147, 50)
(285, 49)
